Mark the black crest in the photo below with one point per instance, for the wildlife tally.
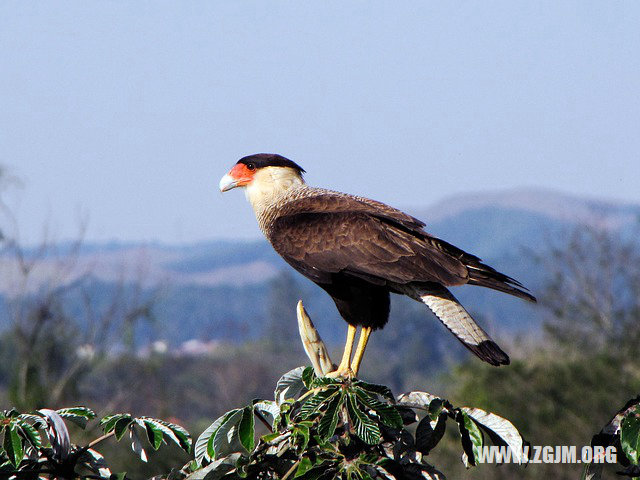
(261, 160)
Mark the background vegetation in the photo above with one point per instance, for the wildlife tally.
(78, 343)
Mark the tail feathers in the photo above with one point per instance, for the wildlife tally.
(489, 351)
(485, 276)
(453, 315)
(482, 274)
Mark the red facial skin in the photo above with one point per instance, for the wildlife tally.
(241, 174)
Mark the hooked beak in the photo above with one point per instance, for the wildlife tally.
(227, 183)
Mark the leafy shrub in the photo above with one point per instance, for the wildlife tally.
(317, 428)
(325, 428)
(622, 432)
(26, 453)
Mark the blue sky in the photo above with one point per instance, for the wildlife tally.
(128, 113)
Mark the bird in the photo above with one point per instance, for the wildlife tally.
(360, 251)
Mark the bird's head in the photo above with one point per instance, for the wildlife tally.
(263, 175)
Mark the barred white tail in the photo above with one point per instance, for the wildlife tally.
(453, 315)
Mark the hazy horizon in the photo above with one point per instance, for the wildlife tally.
(553, 203)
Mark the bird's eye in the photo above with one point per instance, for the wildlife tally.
(251, 166)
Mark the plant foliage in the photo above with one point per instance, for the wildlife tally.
(316, 428)
(37, 444)
(623, 433)
(325, 428)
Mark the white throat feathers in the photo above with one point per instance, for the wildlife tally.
(269, 184)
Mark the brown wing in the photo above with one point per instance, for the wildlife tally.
(333, 233)
(327, 232)
(327, 201)
(319, 200)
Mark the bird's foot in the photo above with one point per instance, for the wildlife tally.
(344, 372)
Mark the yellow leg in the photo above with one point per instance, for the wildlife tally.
(343, 369)
(362, 344)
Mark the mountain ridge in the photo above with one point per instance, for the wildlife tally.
(555, 204)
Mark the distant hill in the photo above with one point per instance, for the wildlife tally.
(220, 289)
(548, 203)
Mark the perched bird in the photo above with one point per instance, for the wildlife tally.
(359, 250)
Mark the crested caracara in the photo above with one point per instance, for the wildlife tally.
(359, 250)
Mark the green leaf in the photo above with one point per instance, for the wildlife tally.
(307, 377)
(216, 470)
(319, 471)
(38, 421)
(202, 449)
(630, 436)
(329, 421)
(427, 437)
(325, 381)
(500, 430)
(270, 437)
(226, 439)
(301, 430)
(121, 426)
(283, 418)
(420, 400)
(314, 402)
(471, 438)
(78, 415)
(57, 433)
(246, 430)
(303, 467)
(376, 389)
(158, 430)
(109, 422)
(154, 434)
(387, 413)
(408, 415)
(13, 445)
(175, 432)
(435, 407)
(366, 429)
(290, 385)
(267, 408)
(136, 444)
(30, 434)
